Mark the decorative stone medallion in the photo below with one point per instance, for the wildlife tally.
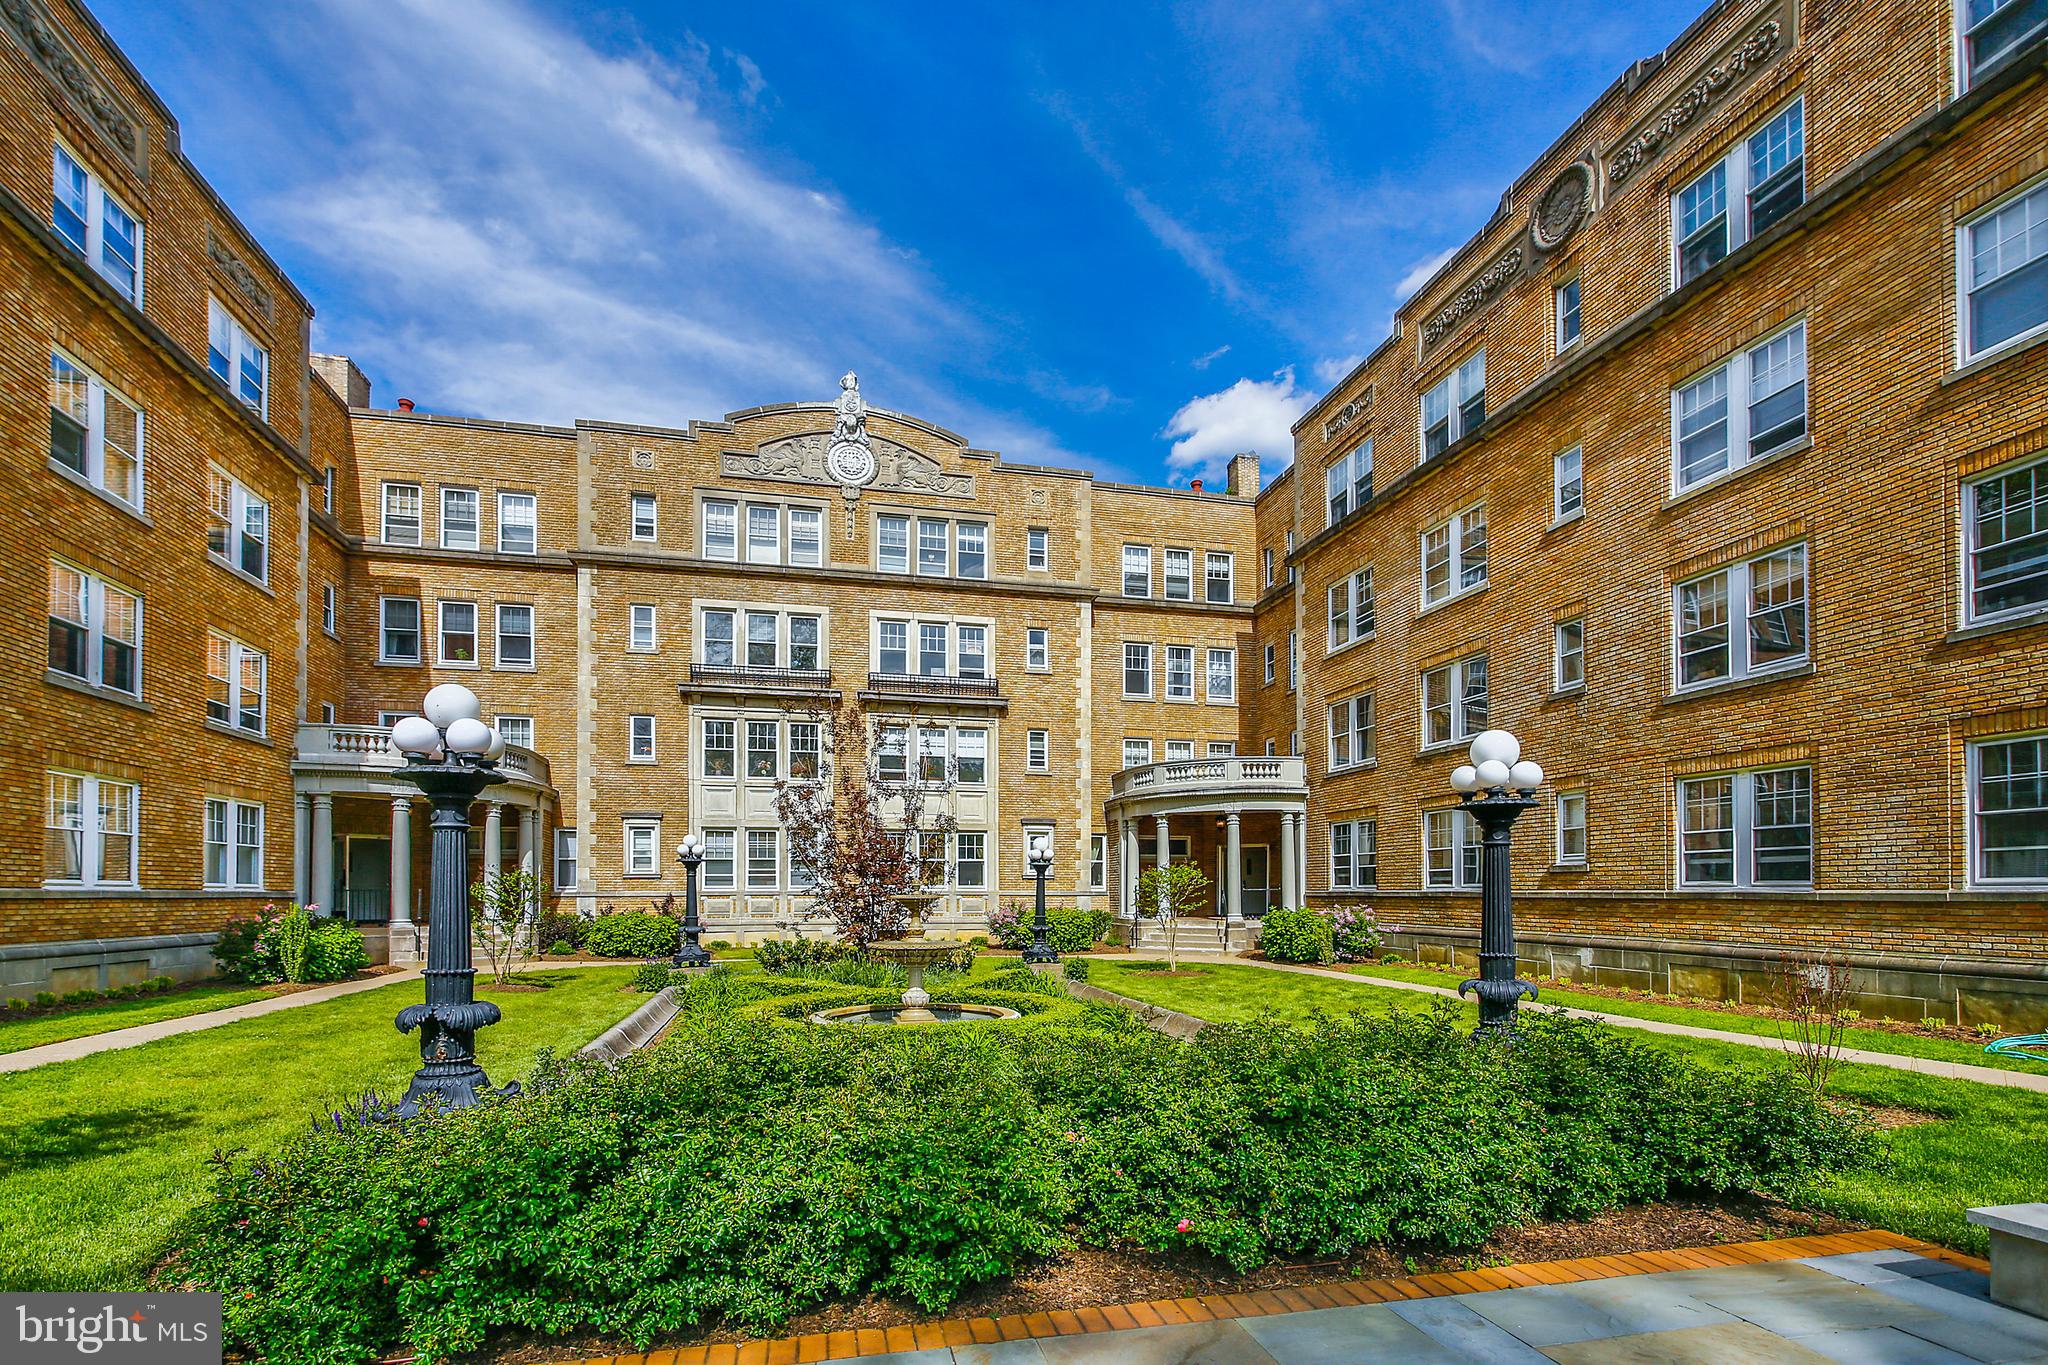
(1562, 207)
(850, 459)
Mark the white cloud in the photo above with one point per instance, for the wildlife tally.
(1332, 368)
(1204, 361)
(1252, 414)
(1419, 273)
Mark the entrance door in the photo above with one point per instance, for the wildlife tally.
(1258, 880)
(366, 880)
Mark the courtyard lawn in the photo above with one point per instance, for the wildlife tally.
(1983, 1148)
(64, 1025)
(101, 1158)
(1866, 1039)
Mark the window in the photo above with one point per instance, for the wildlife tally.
(1180, 575)
(1351, 609)
(1351, 732)
(515, 636)
(236, 359)
(1454, 703)
(1567, 483)
(1571, 829)
(1037, 746)
(1769, 593)
(646, 520)
(931, 548)
(763, 741)
(931, 754)
(1455, 406)
(643, 848)
(804, 645)
(1266, 567)
(1994, 30)
(94, 432)
(721, 530)
(327, 490)
(806, 535)
(401, 514)
(1180, 750)
(517, 524)
(1714, 430)
(1454, 556)
(94, 222)
(892, 753)
(1137, 670)
(1098, 861)
(1034, 830)
(234, 845)
(1450, 851)
(1037, 549)
(398, 630)
(640, 636)
(970, 549)
(718, 637)
(234, 683)
(931, 649)
(764, 533)
(1270, 652)
(95, 630)
(970, 860)
(1747, 829)
(565, 859)
(1293, 660)
(892, 650)
(970, 757)
(1137, 571)
(892, 544)
(719, 748)
(2009, 811)
(329, 614)
(1354, 854)
(1219, 573)
(2005, 267)
(640, 739)
(1568, 654)
(763, 639)
(972, 659)
(457, 633)
(1137, 752)
(1037, 656)
(805, 758)
(458, 518)
(1567, 315)
(1180, 673)
(89, 831)
(1762, 179)
(1347, 483)
(720, 870)
(764, 864)
(517, 730)
(2006, 519)
(238, 525)
(1222, 680)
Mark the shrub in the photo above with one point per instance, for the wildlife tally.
(652, 976)
(786, 954)
(631, 933)
(238, 950)
(1297, 936)
(561, 947)
(1076, 968)
(1354, 932)
(556, 929)
(334, 951)
(289, 944)
(1069, 928)
(1025, 981)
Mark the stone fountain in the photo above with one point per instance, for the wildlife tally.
(914, 953)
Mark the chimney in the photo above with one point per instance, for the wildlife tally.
(1196, 484)
(350, 384)
(1244, 475)
(405, 405)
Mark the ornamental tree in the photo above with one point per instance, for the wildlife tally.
(1166, 894)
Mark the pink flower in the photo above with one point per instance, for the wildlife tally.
(423, 1222)
(1182, 1226)
(1072, 1136)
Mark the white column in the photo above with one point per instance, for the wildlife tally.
(1290, 897)
(1127, 869)
(401, 860)
(529, 840)
(1233, 867)
(494, 835)
(320, 891)
(1162, 845)
(302, 847)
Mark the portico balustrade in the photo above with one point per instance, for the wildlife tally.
(1251, 810)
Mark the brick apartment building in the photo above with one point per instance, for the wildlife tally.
(1715, 466)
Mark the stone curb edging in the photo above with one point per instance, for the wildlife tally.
(847, 1344)
(637, 1029)
(1172, 1023)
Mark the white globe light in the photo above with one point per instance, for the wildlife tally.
(1464, 779)
(1041, 847)
(469, 736)
(415, 735)
(688, 846)
(1526, 775)
(1493, 746)
(451, 702)
(497, 749)
(1493, 773)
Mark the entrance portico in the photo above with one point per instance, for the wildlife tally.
(1243, 819)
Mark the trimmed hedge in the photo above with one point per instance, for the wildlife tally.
(631, 933)
(1069, 929)
(1297, 936)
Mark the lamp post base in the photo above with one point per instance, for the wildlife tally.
(691, 955)
(1498, 1001)
(448, 1085)
(1040, 953)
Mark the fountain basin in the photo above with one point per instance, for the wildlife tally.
(913, 1014)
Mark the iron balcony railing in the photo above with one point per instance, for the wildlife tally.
(921, 685)
(732, 675)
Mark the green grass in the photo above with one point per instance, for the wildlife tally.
(1985, 1147)
(101, 1158)
(117, 1014)
(1867, 1039)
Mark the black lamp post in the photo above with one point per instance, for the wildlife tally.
(1495, 789)
(1040, 858)
(691, 953)
(451, 756)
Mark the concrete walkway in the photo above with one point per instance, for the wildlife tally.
(71, 1049)
(1862, 1297)
(1955, 1071)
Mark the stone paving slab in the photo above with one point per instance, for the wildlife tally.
(1862, 1298)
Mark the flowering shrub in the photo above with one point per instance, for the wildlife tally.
(1297, 936)
(1354, 932)
(289, 944)
(1068, 928)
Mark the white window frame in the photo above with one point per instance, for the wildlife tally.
(727, 546)
(393, 490)
(476, 513)
(642, 636)
(1227, 561)
(2036, 468)
(1098, 862)
(647, 527)
(1567, 484)
(238, 654)
(92, 830)
(233, 524)
(964, 557)
(1974, 803)
(638, 837)
(1738, 194)
(1353, 739)
(1227, 657)
(1136, 563)
(1186, 575)
(1464, 540)
(1457, 391)
(1176, 689)
(1738, 375)
(1038, 549)
(1567, 303)
(1347, 486)
(1180, 751)
(887, 558)
(1354, 855)
(1137, 655)
(236, 358)
(330, 611)
(1222, 748)
(1462, 830)
(518, 511)
(565, 859)
(1739, 609)
(749, 841)
(2030, 203)
(641, 742)
(419, 631)
(812, 552)
(1139, 749)
(93, 590)
(441, 658)
(517, 729)
(499, 635)
(1568, 644)
(1037, 649)
(1969, 71)
(93, 443)
(1352, 616)
(763, 549)
(231, 843)
(1457, 675)
(93, 221)
(1037, 751)
(929, 534)
(1743, 834)
(1567, 799)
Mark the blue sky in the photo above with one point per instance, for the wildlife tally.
(1128, 237)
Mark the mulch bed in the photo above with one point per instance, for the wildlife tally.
(1088, 1279)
